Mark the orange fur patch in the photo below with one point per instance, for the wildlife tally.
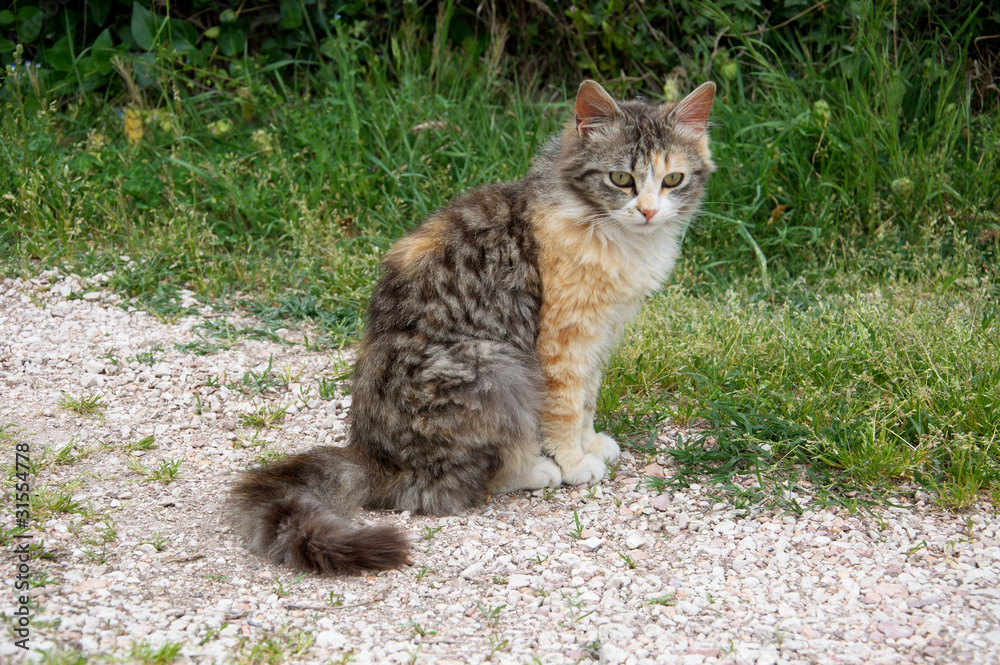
(424, 241)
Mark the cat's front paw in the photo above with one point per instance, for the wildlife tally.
(545, 473)
(589, 470)
(604, 447)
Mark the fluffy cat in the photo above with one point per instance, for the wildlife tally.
(479, 368)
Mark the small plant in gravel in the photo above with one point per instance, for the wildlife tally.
(419, 630)
(264, 417)
(254, 383)
(91, 404)
(491, 614)
(149, 357)
(63, 655)
(166, 472)
(327, 389)
(289, 374)
(145, 443)
(430, 532)
(279, 648)
(424, 570)
(629, 561)
(48, 499)
(43, 578)
(158, 541)
(268, 456)
(496, 644)
(143, 653)
(111, 357)
(577, 605)
(71, 452)
(666, 600)
(279, 587)
(577, 531)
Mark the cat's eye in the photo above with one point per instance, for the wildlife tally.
(673, 179)
(621, 178)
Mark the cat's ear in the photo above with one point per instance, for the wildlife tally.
(594, 108)
(691, 114)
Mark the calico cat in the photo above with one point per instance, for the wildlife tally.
(479, 368)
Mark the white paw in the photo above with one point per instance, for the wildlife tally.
(590, 469)
(545, 473)
(604, 447)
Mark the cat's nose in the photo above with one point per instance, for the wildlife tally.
(649, 212)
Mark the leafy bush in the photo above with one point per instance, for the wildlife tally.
(633, 45)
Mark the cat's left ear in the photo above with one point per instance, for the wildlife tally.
(691, 114)
(594, 108)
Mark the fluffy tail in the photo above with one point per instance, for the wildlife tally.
(295, 513)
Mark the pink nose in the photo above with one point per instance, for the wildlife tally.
(649, 213)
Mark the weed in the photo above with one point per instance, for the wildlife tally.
(158, 541)
(145, 443)
(91, 404)
(491, 614)
(253, 383)
(47, 499)
(150, 357)
(577, 604)
(264, 417)
(667, 600)
(629, 561)
(418, 630)
(577, 530)
(144, 654)
(423, 571)
(71, 453)
(496, 644)
(430, 532)
(166, 472)
(279, 587)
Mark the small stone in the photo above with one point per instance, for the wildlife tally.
(725, 526)
(92, 381)
(613, 655)
(635, 540)
(894, 631)
(654, 470)
(520, 581)
(331, 639)
(592, 544)
(93, 367)
(660, 502)
(473, 572)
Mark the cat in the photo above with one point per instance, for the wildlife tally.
(479, 367)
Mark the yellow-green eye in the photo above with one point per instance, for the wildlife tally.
(673, 179)
(621, 178)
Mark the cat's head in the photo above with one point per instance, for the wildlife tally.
(635, 165)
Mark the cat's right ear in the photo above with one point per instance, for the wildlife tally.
(594, 108)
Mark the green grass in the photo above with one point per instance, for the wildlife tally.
(832, 324)
(857, 387)
(91, 404)
(264, 416)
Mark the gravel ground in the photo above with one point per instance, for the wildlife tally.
(141, 569)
